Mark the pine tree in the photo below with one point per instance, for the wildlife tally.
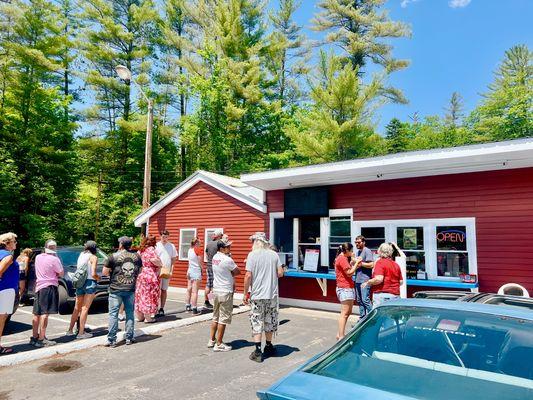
(396, 135)
(363, 30)
(454, 111)
(287, 53)
(506, 109)
(34, 126)
(339, 124)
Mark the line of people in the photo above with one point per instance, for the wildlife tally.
(382, 278)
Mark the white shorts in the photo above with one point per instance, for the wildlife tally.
(7, 301)
(165, 283)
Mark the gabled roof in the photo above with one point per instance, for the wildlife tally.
(474, 158)
(231, 186)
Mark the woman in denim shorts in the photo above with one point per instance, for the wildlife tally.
(194, 276)
(85, 295)
(345, 266)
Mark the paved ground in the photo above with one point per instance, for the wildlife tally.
(18, 330)
(174, 364)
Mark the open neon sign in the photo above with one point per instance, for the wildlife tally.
(452, 236)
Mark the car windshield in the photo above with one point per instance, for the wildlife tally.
(69, 256)
(436, 353)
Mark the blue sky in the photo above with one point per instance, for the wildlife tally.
(455, 46)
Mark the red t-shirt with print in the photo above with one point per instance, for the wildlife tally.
(392, 275)
(341, 267)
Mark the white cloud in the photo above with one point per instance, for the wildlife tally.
(458, 3)
(405, 3)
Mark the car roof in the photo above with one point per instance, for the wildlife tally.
(508, 311)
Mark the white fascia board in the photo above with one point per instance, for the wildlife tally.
(188, 184)
(485, 157)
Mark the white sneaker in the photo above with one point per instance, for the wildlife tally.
(222, 347)
(211, 343)
(85, 335)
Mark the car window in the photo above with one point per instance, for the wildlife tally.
(69, 257)
(101, 256)
(413, 345)
(514, 302)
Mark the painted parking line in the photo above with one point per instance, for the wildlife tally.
(58, 319)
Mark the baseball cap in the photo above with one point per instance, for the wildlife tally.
(218, 232)
(259, 236)
(224, 242)
(125, 241)
(49, 246)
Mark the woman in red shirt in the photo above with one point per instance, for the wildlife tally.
(386, 276)
(344, 270)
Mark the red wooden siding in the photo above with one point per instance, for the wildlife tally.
(501, 202)
(203, 207)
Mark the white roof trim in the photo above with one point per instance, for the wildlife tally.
(484, 157)
(199, 176)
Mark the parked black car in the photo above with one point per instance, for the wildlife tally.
(67, 294)
(484, 298)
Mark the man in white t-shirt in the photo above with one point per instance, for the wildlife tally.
(167, 253)
(224, 272)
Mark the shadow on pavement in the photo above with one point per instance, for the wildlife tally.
(13, 327)
(146, 338)
(240, 344)
(282, 350)
(284, 321)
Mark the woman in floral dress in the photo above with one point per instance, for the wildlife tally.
(147, 290)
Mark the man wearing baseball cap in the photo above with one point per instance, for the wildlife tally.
(224, 272)
(48, 269)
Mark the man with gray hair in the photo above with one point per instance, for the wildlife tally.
(211, 248)
(263, 268)
(48, 270)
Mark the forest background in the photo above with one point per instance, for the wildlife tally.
(237, 88)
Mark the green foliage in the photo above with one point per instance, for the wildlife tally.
(234, 90)
(338, 126)
(506, 111)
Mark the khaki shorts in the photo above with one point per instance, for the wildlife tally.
(223, 308)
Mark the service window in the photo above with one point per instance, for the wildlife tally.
(308, 236)
(452, 252)
(186, 237)
(411, 240)
(374, 236)
(339, 232)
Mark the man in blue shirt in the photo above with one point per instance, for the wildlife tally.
(9, 281)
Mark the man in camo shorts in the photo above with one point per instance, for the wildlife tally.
(263, 268)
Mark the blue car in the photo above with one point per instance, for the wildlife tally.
(422, 349)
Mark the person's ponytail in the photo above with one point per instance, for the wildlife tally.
(343, 248)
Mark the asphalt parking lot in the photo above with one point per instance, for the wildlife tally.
(18, 331)
(174, 364)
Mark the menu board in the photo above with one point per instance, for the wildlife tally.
(311, 260)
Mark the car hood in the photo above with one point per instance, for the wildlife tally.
(302, 385)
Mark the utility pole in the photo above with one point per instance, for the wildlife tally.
(98, 202)
(148, 157)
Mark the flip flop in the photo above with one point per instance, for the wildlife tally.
(5, 350)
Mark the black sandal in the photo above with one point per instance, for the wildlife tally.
(5, 350)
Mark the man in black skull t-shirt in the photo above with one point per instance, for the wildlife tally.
(122, 267)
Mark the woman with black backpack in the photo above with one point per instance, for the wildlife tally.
(84, 281)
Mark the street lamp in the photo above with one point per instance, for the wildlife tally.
(125, 74)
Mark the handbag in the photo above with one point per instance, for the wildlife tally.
(80, 276)
(164, 273)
